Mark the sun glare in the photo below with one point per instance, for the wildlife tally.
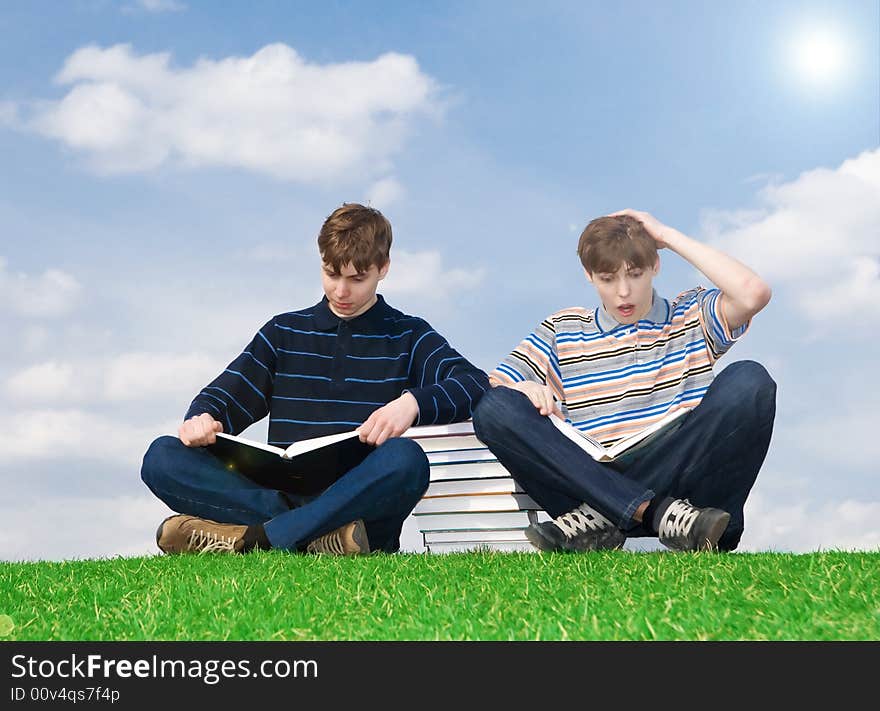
(818, 56)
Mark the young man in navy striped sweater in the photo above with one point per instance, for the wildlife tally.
(349, 361)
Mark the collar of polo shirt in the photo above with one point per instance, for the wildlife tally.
(371, 321)
(659, 313)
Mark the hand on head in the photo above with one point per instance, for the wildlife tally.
(652, 225)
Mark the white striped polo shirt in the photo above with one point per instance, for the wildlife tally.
(613, 380)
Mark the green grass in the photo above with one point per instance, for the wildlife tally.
(609, 595)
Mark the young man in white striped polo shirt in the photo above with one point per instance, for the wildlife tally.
(615, 369)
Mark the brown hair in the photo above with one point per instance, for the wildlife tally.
(608, 242)
(357, 235)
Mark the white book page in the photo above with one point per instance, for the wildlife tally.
(253, 443)
(307, 445)
(455, 429)
(581, 439)
(628, 442)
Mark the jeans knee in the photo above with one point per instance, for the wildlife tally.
(751, 376)
(754, 387)
(493, 411)
(155, 459)
(409, 464)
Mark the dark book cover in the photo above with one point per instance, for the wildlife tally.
(308, 473)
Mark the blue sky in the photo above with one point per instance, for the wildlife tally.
(164, 179)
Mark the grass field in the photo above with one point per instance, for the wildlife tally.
(609, 595)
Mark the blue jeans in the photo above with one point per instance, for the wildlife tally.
(712, 459)
(382, 490)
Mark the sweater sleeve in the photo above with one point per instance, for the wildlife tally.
(240, 395)
(445, 385)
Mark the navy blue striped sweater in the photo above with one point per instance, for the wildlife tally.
(315, 374)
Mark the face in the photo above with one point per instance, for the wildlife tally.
(626, 294)
(351, 292)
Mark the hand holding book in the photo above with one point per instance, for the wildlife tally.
(623, 447)
(199, 431)
(311, 465)
(390, 420)
(541, 396)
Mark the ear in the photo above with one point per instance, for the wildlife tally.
(588, 275)
(656, 268)
(383, 270)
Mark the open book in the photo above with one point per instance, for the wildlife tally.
(305, 467)
(310, 465)
(623, 448)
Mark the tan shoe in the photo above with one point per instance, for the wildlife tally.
(189, 534)
(349, 539)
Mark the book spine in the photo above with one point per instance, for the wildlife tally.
(485, 521)
(486, 546)
(476, 503)
(468, 470)
(501, 534)
(457, 487)
(461, 456)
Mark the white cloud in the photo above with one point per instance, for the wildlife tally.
(128, 377)
(80, 527)
(423, 273)
(385, 192)
(35, 338)
(46, 382)
(155, 6)
(848, 439)
(151, 376)
(54, 293)
(799, 526)
(276, 252)
(816, 236)
(8, 113)
(75, 435)
(272, 112)
(857, 293)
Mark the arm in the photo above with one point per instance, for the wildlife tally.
(236, 398)
(390, 420)
(530, 370)
(443, 388)
(743, 293)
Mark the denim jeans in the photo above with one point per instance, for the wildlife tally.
(712, 458)
(382, 490)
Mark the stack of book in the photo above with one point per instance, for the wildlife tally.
(472, 503)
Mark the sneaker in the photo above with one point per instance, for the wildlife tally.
(349, 539)
(189, 534)
(684, 527)
(583, 529)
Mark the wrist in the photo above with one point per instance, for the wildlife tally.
(412, 404)
(673, 239)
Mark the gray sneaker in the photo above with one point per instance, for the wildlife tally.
(583, 529)
(684, 527)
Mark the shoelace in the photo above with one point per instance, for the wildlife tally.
(581, 520)
(678, 519)
(328, 543)
(209, 542)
